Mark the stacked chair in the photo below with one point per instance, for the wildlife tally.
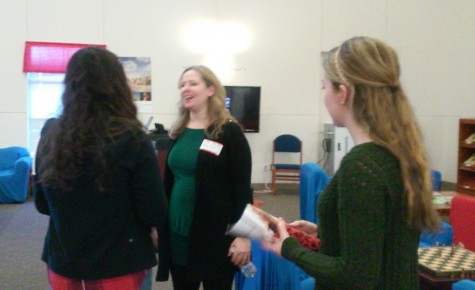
(286, 159)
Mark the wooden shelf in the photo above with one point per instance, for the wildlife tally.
(471, 169)
(465, 174)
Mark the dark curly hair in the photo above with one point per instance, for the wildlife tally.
(97, 108)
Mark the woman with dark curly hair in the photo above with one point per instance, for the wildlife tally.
(98, 180)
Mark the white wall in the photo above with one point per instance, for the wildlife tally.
(435, 41)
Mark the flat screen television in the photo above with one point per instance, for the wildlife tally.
(243, 102)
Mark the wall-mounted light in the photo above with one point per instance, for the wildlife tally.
(206, 37)
(233, 37)
(200, 37)
(218, 42)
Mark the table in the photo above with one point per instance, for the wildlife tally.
(444, 209)
(428, 282)
(440, 267)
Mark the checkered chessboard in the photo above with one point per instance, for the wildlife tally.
(440, 262)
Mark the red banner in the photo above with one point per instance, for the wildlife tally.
(50, 57)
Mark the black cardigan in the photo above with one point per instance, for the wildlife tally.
(223, 188)
(96, 235)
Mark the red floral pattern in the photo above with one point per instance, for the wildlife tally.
(304, 239)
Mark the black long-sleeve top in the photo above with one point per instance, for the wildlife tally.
(96, 235)
(223, 188)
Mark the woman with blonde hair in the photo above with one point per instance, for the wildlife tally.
(208, 183)
(373, 210)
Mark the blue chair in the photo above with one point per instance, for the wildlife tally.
(15, 167)
(290, 146)
(464, 285)
(436, 180)
(243, 283)
(444, 237)
(307, 284)
(313, 180)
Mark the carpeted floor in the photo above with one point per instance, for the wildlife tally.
(22, 230)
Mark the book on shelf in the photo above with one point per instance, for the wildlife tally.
(470, 161)
(470, 139)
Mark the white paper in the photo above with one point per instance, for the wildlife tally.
(250, 225)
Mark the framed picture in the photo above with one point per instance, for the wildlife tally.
(138, 72)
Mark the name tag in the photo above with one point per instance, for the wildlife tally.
(212, 147)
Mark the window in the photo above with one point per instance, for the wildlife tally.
(44, 102)
(45, 64)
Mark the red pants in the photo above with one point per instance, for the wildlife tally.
(127, 282)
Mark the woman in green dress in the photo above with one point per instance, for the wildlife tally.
(208, 184)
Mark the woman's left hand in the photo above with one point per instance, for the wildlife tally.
(240, 251)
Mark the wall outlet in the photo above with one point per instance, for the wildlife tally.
(266, 168)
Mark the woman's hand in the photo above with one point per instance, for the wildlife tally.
(240, 251)
(275, 242)
(154, 235)
(306, 227)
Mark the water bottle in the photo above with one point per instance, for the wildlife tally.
(249, 270)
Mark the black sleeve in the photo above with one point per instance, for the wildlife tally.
(38, 190)
(240, 167)
(147, 187)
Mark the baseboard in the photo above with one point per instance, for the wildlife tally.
(449, 186)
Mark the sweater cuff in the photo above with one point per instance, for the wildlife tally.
(288, 245)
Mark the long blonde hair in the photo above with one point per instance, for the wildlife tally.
(370, 69)
(217, 113)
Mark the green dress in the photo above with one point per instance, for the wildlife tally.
(182, 162)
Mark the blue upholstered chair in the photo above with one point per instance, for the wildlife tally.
(444, 237)
(15, 166)
(464, 285)
(313, 180)
(436, 180)
(462, 217)
(257, 257)
(273, 272)
(307, 284)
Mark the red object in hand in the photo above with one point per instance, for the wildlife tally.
(304, 239)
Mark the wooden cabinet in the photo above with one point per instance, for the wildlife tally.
(465, 169)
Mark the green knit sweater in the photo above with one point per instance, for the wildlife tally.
(366, 241)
